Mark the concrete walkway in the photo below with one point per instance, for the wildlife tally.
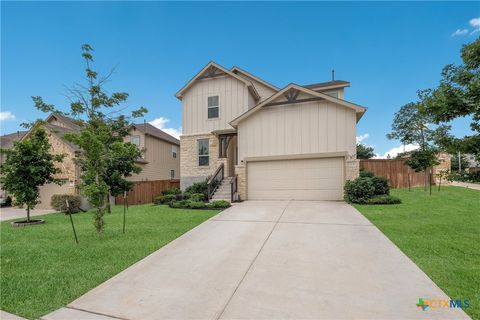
(10, 213)
(269, 260)
(475, 186)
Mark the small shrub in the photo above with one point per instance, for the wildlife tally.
(173, 191)
(188, 204)
(178, 204)
(196, 204)
(165, 199)
(359, 190)
(219, 204)
(198, 187)
(384, 199)
(380, 184)
(194, 196)
(58, 202)
(366, 174)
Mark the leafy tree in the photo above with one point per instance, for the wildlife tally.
(411, 126)
(103, 152)
(457, 96)
(364, 152)
(28, 166)
(120, 165)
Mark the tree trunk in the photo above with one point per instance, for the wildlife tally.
(28, 213)
(425, 184)
(109, 209)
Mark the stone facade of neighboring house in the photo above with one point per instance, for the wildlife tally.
(160, 161)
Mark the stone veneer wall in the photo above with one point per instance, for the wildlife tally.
(67, 166)
(241, 172)
(190, 171)
(352, 169)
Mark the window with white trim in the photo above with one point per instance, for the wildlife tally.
(174, 151)
(172, 174)
(135, 140)
(213, 107)
(203, 152)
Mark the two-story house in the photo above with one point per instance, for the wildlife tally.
(297, 142)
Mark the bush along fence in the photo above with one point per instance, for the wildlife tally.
(369, 189)
(146, 191)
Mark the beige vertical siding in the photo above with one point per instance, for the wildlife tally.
(263, 91)
(312, 127)
(233, 99)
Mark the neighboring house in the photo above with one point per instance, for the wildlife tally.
(297, 142)
(158, 162)
(161, 156)
(473, 163)
(6, 142)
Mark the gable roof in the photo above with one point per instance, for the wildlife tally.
(7, 140)
(212, 66)
(358, 109)
(236, 69)
(147, 128)
(67, 121)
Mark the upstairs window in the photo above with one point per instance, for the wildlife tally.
(135, 140)
(174, 151)
(203, 153)
(213, 107)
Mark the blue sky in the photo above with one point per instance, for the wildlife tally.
(387, 50)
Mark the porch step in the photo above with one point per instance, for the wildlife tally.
(223, 191)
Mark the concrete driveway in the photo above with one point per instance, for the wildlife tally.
(9, 213)
(269, 260)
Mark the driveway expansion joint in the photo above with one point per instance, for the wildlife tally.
(253, 261)
(97, 313)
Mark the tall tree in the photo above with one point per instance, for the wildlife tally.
(364, 152)
(457, 96)
(101, 136)
(28, 166)
(411, 126)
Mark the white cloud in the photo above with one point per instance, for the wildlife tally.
(362, 137)
(475, 22)
(6, 115)
(394, 151)
(460, 32)
(161, 123)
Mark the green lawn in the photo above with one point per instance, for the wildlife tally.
(440, 233)
(42, 268)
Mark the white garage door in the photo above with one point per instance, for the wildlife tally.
(304, 179)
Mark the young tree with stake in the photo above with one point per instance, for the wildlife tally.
(101, 136)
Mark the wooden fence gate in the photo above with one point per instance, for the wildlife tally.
(395, 170)
(146, 191)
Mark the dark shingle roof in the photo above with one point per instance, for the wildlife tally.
(8, 139)
(147, 128)
(327, 84)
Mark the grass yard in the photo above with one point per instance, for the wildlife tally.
(440, 233)
(43, 269)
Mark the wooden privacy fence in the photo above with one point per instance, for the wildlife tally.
(395, 170)
(146, 191)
